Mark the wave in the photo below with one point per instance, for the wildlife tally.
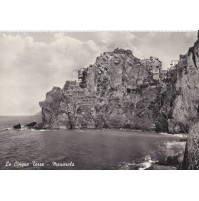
(180, 135)
(23, 128)
(175, 144)
(126, 165)
(5, 129)
(42, 130)
(147, 163)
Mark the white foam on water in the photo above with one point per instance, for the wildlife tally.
(42, 130)
(5, 129)
(170, 145)
(147, 164)
(126, 165)
(140, 166)
(180, 135)
(165, 134)
(23, 128)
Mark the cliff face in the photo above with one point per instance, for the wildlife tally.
(186, 104)
(122, 91)
(180, 102)
(190, 106)
(118, 91)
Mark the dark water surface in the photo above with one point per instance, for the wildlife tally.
(86, 149)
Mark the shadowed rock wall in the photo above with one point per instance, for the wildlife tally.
(122, 91)
(118, 91)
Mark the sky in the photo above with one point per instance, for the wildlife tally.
(32, 63)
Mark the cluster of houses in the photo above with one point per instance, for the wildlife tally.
(157, 71)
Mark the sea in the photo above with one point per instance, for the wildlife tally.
(86, 149)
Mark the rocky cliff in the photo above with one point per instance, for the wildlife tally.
(118, 91)
(189, 108)
(122, 91)
(180, 102)
(186, 104)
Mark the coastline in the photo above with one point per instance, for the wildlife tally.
(23, 127)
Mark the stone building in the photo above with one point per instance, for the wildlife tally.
(78, 75)
(154, 66)
(157, 68)
(81, 74)
(163, 74)
(173, 64)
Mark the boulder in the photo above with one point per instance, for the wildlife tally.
(38, 126)
(31, 125)
(16, 127)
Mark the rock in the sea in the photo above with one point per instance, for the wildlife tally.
(18, 126)
(31, 125)
(38, 126)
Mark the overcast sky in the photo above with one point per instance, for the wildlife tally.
(32, 63)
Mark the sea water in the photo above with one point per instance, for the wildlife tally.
(82, 149)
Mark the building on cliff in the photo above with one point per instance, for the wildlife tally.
(78, 75)
(157, 68)
(154, 66)
(81, 74)
(163, 74)
(75, 75)
(173, 64)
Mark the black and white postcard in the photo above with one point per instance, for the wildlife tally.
(99, 100)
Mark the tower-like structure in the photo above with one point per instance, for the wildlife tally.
(155, 67)
(75, 75)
